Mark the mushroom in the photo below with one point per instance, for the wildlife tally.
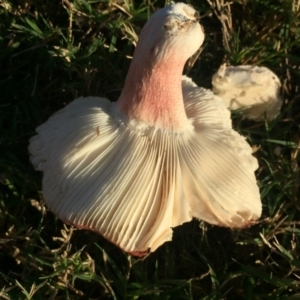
(159, 156)
(254, 91)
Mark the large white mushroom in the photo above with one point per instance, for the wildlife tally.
(254, 91)
(159, 156)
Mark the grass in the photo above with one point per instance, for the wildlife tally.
(54, 51)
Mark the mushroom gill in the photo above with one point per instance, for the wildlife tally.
(164, 153)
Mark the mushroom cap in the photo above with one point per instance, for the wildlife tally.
(253, 90)
(132, 181)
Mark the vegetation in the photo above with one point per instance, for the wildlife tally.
(54, 51)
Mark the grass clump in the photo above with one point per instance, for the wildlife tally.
(53, 52)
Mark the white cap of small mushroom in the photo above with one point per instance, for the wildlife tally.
(161, 155)
(253, 90)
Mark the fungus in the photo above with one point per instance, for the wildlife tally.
(254, 91)
(161, 155)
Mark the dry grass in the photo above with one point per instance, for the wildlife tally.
(53, 52)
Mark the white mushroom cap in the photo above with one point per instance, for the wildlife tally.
(253, 90)
(132, 176)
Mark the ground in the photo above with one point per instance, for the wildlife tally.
(55, 51)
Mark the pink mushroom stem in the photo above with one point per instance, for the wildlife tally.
(155, 73)
(138, 98)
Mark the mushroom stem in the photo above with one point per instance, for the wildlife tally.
(156, 70)
(144, 85)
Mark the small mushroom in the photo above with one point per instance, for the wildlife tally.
(254, 91)
(164, 153)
